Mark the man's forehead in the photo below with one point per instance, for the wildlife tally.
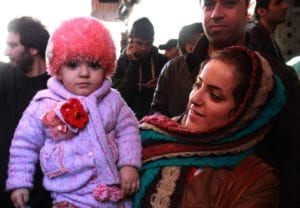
(12, 36)
(141, 40)
(277, 1)
(206, 1)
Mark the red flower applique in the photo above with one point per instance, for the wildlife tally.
(74, 113)
(56, 128)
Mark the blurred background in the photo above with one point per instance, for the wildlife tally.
(167, 16)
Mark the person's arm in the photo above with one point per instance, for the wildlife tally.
(20, 197)
(286, 136)
(120, 71)
(252, 183)
(159, 103)
(130, 182)
(128, 86)
(127, 136)
(24, 153)
(283, 139)
(128, 141)
(264, 193)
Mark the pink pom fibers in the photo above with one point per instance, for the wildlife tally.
(81, 38)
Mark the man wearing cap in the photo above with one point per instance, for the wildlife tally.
(138, 68)
(171, 50)
(176, 80)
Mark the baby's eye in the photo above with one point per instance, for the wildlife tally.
(95, 64)
(72, 64)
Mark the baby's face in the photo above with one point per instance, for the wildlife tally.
(81, 77)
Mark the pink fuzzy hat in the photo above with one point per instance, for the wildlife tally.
(80, 38)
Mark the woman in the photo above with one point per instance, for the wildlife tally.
(203, 159)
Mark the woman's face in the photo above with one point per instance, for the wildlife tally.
(212, 98)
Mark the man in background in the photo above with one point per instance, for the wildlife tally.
(171, 50)
(19, 81)
(138, 68)
(176, 80)
(269, 14)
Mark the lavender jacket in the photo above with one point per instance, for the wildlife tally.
(74, 167)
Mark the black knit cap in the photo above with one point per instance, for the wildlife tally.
(143, 29)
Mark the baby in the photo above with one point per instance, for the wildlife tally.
(86, 137)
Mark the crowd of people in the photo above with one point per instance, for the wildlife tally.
(213, 122)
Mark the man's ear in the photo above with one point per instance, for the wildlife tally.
(189, 47)
(33, 51)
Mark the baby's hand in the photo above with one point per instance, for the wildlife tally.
(129, 180)
(20, 197)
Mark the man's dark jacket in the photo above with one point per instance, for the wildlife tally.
(16, 91)
(172, 91)
(128, 74)
(261, 41)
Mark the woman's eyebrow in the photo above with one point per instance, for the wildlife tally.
(214, 87)
(210, 86)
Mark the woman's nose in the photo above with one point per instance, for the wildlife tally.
(197, 96)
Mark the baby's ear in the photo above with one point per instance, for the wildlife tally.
(58, 75)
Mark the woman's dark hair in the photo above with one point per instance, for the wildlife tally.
(242, 63)
(32, 33)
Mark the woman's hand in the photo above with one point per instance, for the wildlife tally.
(20, 197)
(129, 180)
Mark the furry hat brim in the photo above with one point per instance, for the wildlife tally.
(81, 38)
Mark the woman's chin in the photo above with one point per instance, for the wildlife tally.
(195, 123)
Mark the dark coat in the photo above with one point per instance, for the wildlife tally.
(126, 80)
(172, 91)
(261, 41)
(16, 91)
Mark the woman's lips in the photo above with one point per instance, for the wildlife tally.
(194, 112)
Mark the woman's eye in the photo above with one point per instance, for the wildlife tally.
(216, 97)
(72, 64)
(95, 64)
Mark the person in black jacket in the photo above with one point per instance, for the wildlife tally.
(138, 68)
(224, 25)
(269, 14)
(176, 80)
(19, 81)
